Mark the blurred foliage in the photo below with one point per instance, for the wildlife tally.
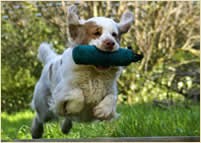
(167, 33)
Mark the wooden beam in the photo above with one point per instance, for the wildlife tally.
(119, 139)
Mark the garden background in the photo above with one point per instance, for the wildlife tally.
(158, 96)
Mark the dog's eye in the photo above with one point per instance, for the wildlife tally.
(97, 33)
(114, 34)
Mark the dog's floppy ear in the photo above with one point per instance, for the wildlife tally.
(74, 23)
(126, 21)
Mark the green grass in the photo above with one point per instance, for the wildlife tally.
(135, 121)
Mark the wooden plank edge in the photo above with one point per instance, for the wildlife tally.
(118, 139)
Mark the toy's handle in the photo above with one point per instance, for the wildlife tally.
(137, 57)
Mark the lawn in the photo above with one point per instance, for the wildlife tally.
(135, 121)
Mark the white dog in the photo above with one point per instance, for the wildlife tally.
(79, 92)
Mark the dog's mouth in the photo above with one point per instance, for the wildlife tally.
(102, 68)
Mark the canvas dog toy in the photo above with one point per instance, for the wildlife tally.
(90, 55)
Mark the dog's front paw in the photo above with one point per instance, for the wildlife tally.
(68, 102)
(103, 112)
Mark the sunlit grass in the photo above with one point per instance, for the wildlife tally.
(135, 121)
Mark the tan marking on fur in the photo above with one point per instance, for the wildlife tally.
(95, 85)
(91, 28)
(74, 30)
(82, 34)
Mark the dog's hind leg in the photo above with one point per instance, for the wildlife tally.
(37, 128)
(40, 103)
(66, 125)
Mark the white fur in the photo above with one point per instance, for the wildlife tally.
(79, 85)
(109, 26)
(77, 92)
(45, 54)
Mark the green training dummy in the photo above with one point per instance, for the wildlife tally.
(90, 55)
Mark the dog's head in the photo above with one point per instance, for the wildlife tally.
(104, 33)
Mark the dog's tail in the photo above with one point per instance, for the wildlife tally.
(45, 53)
